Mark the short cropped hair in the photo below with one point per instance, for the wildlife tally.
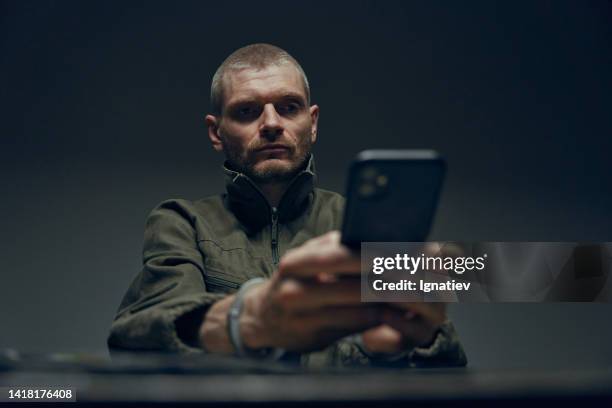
(254, 56)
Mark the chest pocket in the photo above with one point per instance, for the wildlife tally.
(226, 269)
(219, 282)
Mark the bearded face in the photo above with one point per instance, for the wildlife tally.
(266, 128)
(264, 162)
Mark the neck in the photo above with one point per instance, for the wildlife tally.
(273, 191)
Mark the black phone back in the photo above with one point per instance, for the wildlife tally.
(392, 196)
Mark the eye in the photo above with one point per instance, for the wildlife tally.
(289, 108)
(246, 112)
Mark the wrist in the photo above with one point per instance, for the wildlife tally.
(213, 335)
(253, 331)
(236, 319)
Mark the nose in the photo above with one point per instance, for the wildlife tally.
(271, 127)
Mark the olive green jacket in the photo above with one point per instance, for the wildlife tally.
(197, 252)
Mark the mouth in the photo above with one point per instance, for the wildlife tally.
(273, 148)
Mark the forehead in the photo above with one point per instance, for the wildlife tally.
(265, 83)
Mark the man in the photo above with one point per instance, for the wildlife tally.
(196, 291)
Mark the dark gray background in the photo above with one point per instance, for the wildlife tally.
(102, 105)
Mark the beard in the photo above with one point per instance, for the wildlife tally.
(268, 170)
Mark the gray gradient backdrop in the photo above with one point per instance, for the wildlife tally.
(102, 105)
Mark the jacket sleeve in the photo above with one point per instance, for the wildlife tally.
(170, 290)
(445, 351)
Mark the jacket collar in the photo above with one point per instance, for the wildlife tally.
(251, 207)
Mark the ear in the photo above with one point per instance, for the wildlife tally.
(314, 117)
(212, 123)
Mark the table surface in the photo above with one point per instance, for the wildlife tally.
(147, 378)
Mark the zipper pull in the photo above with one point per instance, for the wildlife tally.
(274, 238)
(274, 225)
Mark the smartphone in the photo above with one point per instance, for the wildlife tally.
(392, 196)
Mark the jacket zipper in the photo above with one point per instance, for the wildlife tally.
(274, 240)
(274, 236)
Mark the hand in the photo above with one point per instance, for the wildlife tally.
(312, 300)
(406, 325)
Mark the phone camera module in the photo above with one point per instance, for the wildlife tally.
(372, 183)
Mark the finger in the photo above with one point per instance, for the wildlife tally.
(452, 249)
(345, 318)
(308, 261)
(383, 339)
(443, 249)
(294, 294)
(329, 238)
(416, 332)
